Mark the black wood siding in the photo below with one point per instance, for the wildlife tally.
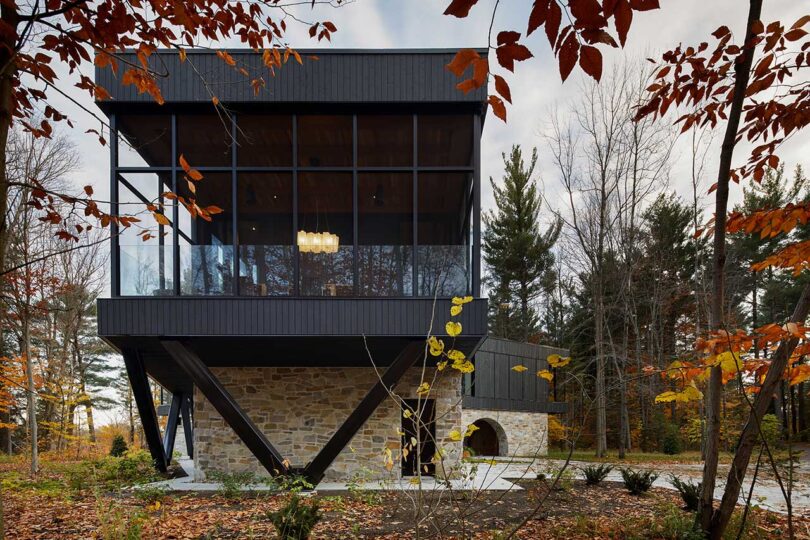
(496, 386)
(338, 76)
(387, 317)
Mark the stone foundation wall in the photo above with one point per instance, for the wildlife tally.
(526, 433)
(298, 409)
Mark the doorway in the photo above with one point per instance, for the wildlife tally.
(426, 426)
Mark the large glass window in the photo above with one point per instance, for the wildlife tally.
(204, 140)
(384, 140)
(265, 225)
(264, 140)
(206, 247)
(324, 141)
(445, 140)
(325, 234)
(385, 235)
(443, 233)
(145, 247)
(144, 140)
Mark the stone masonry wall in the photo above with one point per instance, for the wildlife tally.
(298, 409)
(526, 432)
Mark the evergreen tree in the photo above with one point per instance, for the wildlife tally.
(517, 251)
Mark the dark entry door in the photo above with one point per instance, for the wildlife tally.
(427, 437)
(484, 440)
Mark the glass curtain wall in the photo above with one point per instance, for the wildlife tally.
(309, 205)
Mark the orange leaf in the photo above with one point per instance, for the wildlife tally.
(460, 8)
(461, 61)
(498, 107)
(184, 163)
(503, 88)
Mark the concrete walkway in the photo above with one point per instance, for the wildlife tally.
(500, 474)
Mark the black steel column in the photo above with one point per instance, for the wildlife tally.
(175, 213)
(185, 410)
(146, 408)
(171, 426)
(296, 254)
(355, 229)
(227, 407)
(234, 208)
(378, 393)
(414, 255)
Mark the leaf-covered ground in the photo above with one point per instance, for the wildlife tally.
(604, 511)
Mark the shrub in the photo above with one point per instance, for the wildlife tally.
(231, 483)
(771, 430)
(151, 494)
(566, 478)
(689, 491)
(295, 520)
(638, 482)
(596, 473)
(671, 442)
(119, 446)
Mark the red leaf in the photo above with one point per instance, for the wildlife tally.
(538, 15)
(590, 59)
(329, 26)
(507, 54)
(587, 13)
(508, 36)
(498, 107)
(461, 61)
(480, 72)
(796, 35)
(801, 22)
(568, 55)
(502, 88)
(721, 32)
(460, 8)
(553, 21)
(88, 190)
(622, 17)
(184, 163)
(644, 5)
(466, 86)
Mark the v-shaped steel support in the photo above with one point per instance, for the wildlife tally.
(146, 408)
(378, 393)
(226, 406)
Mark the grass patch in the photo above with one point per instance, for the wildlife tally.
(635, 457)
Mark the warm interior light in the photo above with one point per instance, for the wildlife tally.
(325, 242)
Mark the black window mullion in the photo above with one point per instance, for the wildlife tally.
(356, 232)
(114, 260)
(175, 212)
(414, 256)
(234, 205)
(296, 254)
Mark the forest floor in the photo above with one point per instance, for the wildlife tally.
(58, 504)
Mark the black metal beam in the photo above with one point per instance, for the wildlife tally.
(185, 410)
(171, 426)
(146, 408)
(226, 406)
(316, 468)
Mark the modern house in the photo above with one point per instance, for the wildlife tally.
(350, 196)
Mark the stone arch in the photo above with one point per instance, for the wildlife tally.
(488, 440)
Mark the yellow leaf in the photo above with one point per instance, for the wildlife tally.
(665, 397)
(160, 218)
(436, 346)
(459, 301)
(415, 480)
(455, 355)
(545, 374)
(455, 310)
(454, 435)
(423, 389)
(441, 365)
(556, 361)
(519, 368)
(407, 413)
(471, 429)
(182, 55)
(730, 362)
(464, 367)
(452, 328)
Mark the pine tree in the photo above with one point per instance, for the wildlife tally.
(517, 251)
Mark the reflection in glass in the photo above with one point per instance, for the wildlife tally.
(265, 228)
(443, 224)
(385, 235)
(145, 266)
(325, 205)
(324, 141)
(144, 140)
(206, 247)
(264, 140)
(445, 140)
(384, 140)
(204, 140)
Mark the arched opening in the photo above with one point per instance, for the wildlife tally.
(488, 440)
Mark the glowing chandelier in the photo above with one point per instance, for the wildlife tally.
(324, 242)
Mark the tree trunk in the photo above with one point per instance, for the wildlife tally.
(742, 70)
(32, 396)
(11, 17)
(802, 412)
(601, 398)
(748, 437)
